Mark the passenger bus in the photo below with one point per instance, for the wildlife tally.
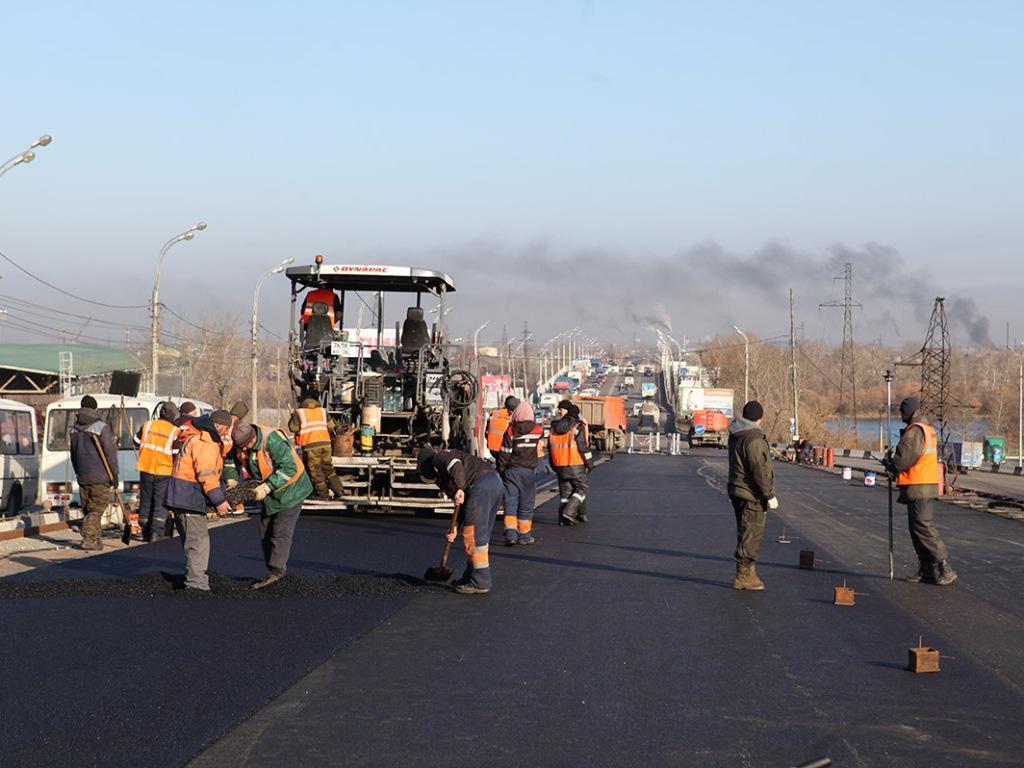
(19, 456)
(57, 486)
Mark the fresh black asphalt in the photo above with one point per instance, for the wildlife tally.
(619, 643)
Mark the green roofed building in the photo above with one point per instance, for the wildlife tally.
(33, 373)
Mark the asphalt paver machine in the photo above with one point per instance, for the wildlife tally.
(395, 387)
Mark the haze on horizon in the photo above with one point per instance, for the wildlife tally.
(568, 163)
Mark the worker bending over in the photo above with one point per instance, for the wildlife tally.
(571, 459)
(516, 463)
(915, 467)
(313, 428)
(266, 455)
(477, 490)
(194, 485)
(155, 440)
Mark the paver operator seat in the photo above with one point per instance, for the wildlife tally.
(415, 334)
(319, 329)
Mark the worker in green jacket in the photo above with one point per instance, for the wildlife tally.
(266, 455)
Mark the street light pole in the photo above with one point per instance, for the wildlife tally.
(888, 440)
(746, 365)
(26, 156)
(154, 365)
(255, 325)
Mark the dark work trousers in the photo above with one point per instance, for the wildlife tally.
(520, 492)
(276, 532)
(95, 498)
(750, 519)
(572, 490)
(152, 512)
(483, 500)
(927, 542)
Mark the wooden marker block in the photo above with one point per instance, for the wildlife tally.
(807, 559)
(844, 596)
(921, 659)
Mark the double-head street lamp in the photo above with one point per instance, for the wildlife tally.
(255, 325)
(25, 156)
(746, 365)
(154, 364)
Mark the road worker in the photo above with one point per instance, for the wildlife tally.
(751, 490)
(477, 491)
(195, 484)
(94, 458)
(313, 429)
(516, 463)
(266, 455)
(571, 459)
(324, 296)
(498, 422)
(155, 440)
(915, 467)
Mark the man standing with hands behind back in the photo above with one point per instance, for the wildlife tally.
(751, 491)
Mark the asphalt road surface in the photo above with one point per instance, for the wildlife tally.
(619, 643)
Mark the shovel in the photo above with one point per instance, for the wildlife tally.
(442, 572)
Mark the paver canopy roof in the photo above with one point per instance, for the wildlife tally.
(371, 277)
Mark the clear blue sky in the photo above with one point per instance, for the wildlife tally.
(426, 132)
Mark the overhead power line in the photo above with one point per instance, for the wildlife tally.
(74, 296)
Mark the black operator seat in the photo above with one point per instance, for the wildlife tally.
(319, 329)
(415, 334)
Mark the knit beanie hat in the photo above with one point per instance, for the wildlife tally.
(88, 401)
(239, 410)
(187, 408)
(511, 402)
(753, 411)
(168, 411)
(909, 407)
(569, 407)
(222, 417)
(242, 433)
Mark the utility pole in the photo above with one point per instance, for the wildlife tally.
(848, 372)
(504, 348)
(792, 358)
(526, 338)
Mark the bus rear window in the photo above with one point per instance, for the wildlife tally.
(124, 424)
(16, 435)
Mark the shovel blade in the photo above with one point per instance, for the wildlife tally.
(438, 573)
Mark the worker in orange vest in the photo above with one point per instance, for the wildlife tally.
(915, 467)
(321, 296)
(313, 429)
(195, 484)
(155, 440)
(497, 424)
(571, 459)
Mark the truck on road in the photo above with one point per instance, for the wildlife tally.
(648, 389)
(606, 420)
(703, 414)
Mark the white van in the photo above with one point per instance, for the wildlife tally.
(57, 486)
(19, 456)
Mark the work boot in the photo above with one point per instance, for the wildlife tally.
(746, 578)
(526, 539)
(946, 575)
(92, 545)
(924, 575)
(568, 520)
(470, 589)
(273, 575)
(511, 537)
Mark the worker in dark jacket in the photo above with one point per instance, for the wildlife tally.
(516, 463)
(266, 455)
(915, 468)
(571, 459)
(195, 484)
(94, 458)
(751, 491)
(477, 490)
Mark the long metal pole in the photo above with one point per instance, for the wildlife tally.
(1020, 414)
(746, 365)
(154, 330)
(253, 355)
(888, 439)
(792, 360)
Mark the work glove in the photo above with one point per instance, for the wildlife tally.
(232, 483)
(773, 503)
(223, 510)
(261, 491)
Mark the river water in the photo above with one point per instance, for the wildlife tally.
(868, 430)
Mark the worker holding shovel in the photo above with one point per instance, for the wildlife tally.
(477, 491)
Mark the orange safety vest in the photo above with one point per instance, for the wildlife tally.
(267, 466)
(564, 451)
(199, 461)
(926, 469)
(321, 295)
(156, 448)
(496, 426)
(225, 440)
(312, 427)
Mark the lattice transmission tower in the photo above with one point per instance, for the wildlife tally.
(848, 366)
(934, 360)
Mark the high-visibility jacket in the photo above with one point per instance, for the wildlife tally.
(225, 439)
(156, 447)
(312, 428)
(266, 465)
(925, 470)
(563, 449)
(195, 477)
(322, 296)
(496, 426)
